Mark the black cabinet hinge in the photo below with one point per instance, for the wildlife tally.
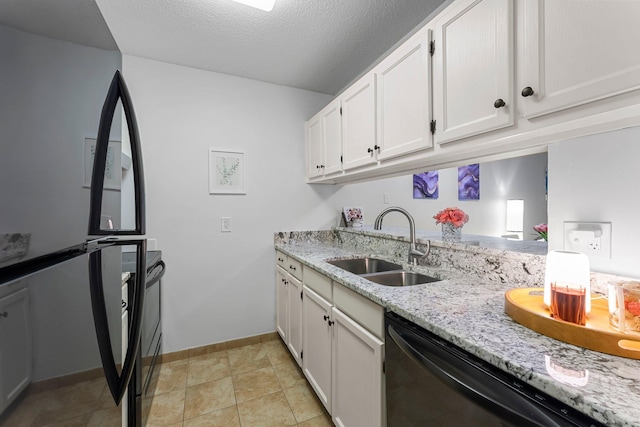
(301, 355)
(340, 110)
(300, 294)
(433, 126)
(432, 47)
(341, 161)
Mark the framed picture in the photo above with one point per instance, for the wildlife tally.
(227, 172)
(113, 169)
(425, 185)
(469, 182)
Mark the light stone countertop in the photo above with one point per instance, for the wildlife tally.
(468, 311)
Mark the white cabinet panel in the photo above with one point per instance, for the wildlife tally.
(281, 303)
(473, 69)
(332, 138)
(316, 335)
(294, 331)
(578, 52)
(403, 100)
(357, 374)
(315, 147)
(359, 123)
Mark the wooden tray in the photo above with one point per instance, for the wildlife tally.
(526, 306)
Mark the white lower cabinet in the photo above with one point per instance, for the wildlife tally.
(356, 380)
(294, 320)
(316, 344)
(342, 360)
(289, 311)
(15, 346)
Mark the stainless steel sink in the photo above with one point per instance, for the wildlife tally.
(400, 278)
(365, 265)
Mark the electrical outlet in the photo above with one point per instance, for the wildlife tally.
(590, 238)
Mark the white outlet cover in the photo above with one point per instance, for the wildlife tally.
(585, 236)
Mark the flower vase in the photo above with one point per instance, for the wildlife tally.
(451, 233)
(356, 223)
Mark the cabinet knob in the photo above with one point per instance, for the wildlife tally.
(321, 166)
(499, 103)
(325, 317)
(527, 91)
(376, 147)
(331, 322)
(292, 267)
(317, 166)
(4, 314)
(369, 150)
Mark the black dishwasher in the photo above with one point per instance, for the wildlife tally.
(431, 382)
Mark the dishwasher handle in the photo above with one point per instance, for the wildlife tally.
(486, 392)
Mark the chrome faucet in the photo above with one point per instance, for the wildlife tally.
(414, 253)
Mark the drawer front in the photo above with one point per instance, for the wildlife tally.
(281, 260)
(294, 268)
(319, 283)
(364, 311)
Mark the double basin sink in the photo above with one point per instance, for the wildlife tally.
(382, 272)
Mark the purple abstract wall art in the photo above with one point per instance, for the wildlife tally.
(469, 182)
(425, 185)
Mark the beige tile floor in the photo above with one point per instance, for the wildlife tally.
(257, 385)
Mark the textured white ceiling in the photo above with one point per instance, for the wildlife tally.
(319, 45)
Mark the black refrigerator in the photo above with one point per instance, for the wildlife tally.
(70, 323)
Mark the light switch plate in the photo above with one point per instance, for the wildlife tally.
(591, 238)
(225, 224)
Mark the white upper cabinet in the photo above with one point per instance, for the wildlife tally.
(578, 52)
(315, 146)
(332, 131)
(324, 142)
(359, 123)
(473, 69)
(403, 106)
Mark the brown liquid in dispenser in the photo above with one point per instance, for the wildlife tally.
(568, 304)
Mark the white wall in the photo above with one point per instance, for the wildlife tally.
(594, 179)
(221, 286)
(519, 178)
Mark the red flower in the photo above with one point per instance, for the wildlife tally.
(633, 307)
(455, 216)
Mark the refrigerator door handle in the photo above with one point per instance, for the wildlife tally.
(117, 382)
(117, 90)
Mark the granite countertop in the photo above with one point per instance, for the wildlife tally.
(468, 311)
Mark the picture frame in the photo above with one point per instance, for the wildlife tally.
(227, 172)
(113, 171)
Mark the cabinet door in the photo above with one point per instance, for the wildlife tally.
(315, 153)
(473, 69)
(403, 101)
(281, 303)
(294, 338)
(15, 346)
(316, 344)
(359, 123)
(579, 51)
(332, 138)
(357, 374)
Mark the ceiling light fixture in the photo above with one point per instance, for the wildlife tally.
(266, 5)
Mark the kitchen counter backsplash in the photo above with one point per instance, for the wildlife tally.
(478, 256)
